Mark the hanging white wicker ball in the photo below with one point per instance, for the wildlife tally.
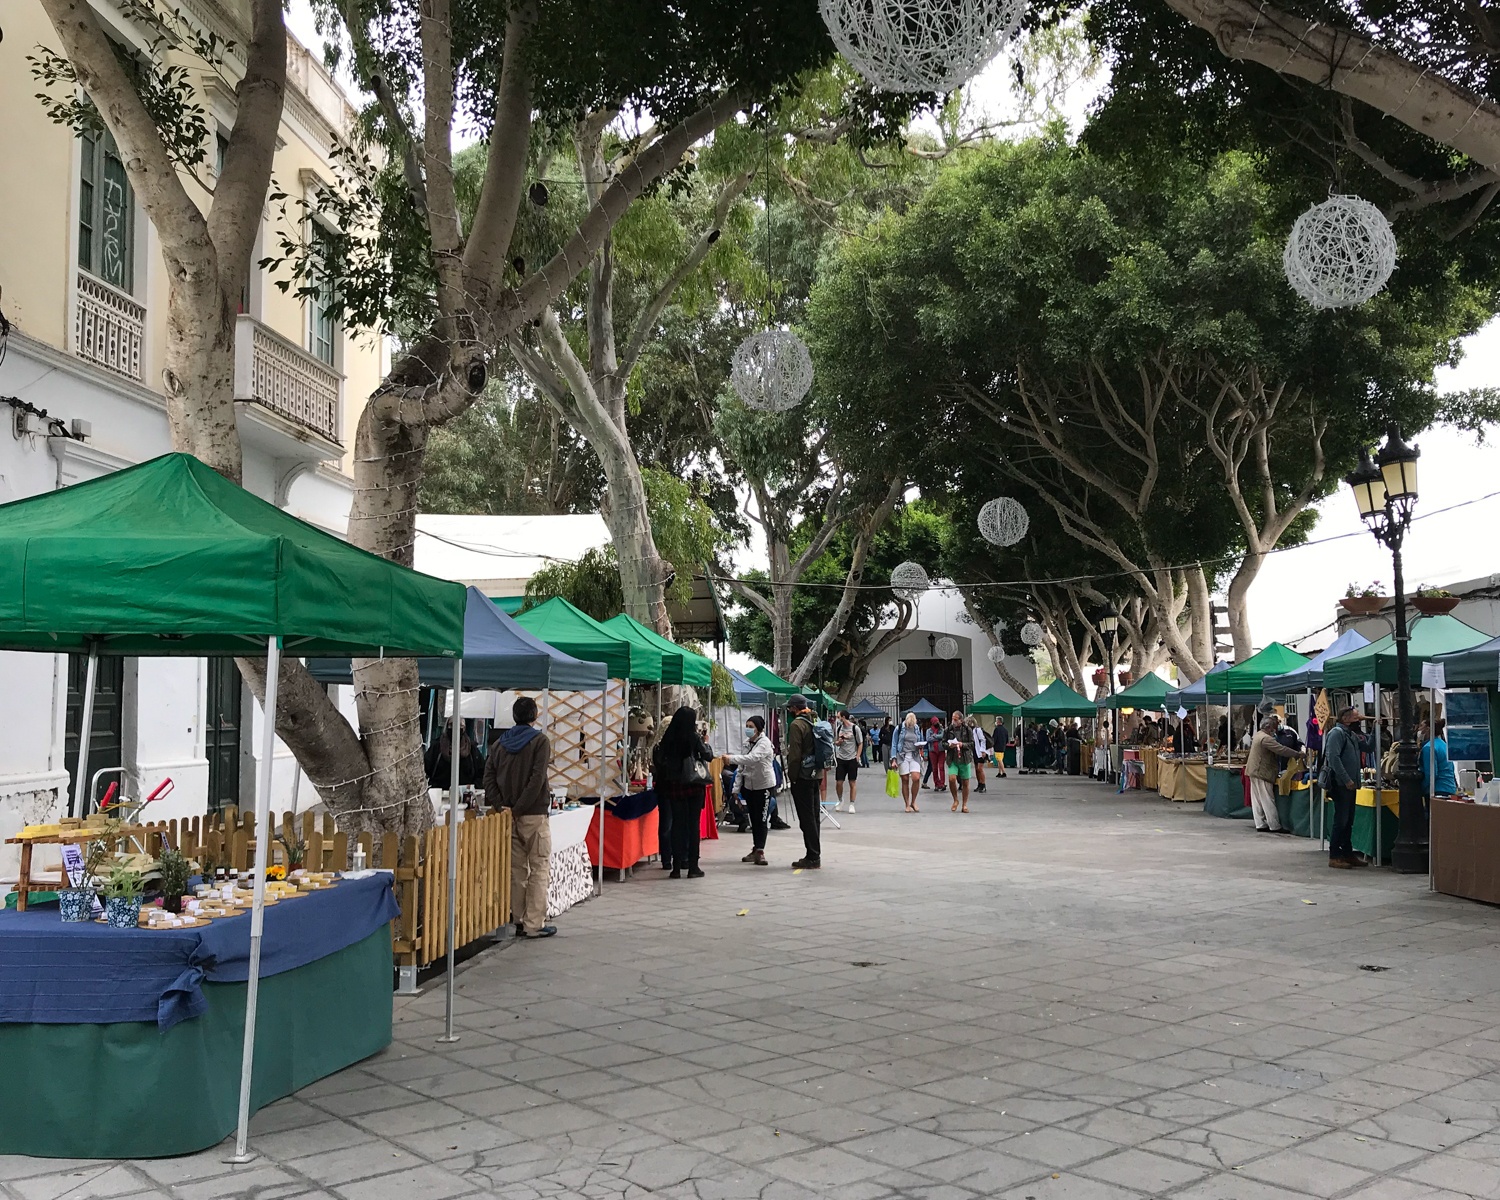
(921, 45)
(1003, 521)
(996, 654)
(909, 580)
(900, 667)
(1339, 253)
(946, 647)
(772, 370)
(1032, 634)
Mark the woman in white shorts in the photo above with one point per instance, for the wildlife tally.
(907, 749)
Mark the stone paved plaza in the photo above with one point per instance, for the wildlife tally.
(1066, 995)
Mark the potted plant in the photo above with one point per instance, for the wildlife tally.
(122, 897)
(1362, 600)
(1125, 678)
(1432, 602)
(174, 869)
(296, 851)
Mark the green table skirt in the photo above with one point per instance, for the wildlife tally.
(1226, 793)
(131, 1090)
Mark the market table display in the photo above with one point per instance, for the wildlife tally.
(1465, 845)
(1365, 821)
(1224, 791)
(572, 876)
(101, 1012)
(170, 558)
(1183, 779)
(630, 833)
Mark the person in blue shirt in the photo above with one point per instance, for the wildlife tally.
(1438, 778)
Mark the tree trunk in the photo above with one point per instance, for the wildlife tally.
(198, 373)
(1344, 61)
(642, 571)
(1202, 621)
(1238, 602)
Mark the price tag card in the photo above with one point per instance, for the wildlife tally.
(72, 857)
(1434, 675)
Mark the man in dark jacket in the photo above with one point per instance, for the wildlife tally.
(1341, 777)
(516, 778)
(805, 783)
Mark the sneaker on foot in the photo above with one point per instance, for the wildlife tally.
(544, 931)
(751, 857)
(676, 874)
(851, 807)
(1340, 864)
(806, 864)
(694, 873)
(1283, 829)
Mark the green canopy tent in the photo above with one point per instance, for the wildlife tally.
(574, 632)
(170, 558)
(1057, 699)
(769, 681)
(1376, 663)
(992, 706)
(1246, 678)
(678, 664)
(1148, 692)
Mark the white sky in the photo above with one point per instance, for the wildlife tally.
(1298, 589)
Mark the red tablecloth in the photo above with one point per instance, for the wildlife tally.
(708, 822)
(625, 842)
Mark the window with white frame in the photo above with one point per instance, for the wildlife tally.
(323, 325)
(106, 213)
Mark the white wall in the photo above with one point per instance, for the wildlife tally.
(941, 612)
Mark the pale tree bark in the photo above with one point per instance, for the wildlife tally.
(1341, 60)
(1239, 420)
(1002, 668)
(1131, 424)
(776, 512)
(868, 526)
(862, 655)
(207, 255)
(436, 379)
(591, 396)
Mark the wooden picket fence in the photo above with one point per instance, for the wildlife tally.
(419, 935)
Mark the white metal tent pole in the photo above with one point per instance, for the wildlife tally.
(258, 903)
(455, 745)
(1379, 777)
(86, 732)
(603, 773)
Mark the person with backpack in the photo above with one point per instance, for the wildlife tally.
(809, 753)
(848, 747)
(679, 767)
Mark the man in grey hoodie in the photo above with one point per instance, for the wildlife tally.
(516, 778)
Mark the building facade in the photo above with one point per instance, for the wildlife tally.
(83, 285)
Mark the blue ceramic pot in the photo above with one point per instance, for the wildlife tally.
(77, 904)
(122, 912)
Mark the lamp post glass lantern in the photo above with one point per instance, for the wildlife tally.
(1385, 491)
(1109, 622)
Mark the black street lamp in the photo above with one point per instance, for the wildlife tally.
(1386, 492)
(1109, 622)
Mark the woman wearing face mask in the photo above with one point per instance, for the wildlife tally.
(756, 783)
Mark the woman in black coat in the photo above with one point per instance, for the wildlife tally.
(679, 768)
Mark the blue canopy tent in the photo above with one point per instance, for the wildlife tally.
(866, 709)
(498, 654)
(1309, 678)
(925, 708)
(746, 692)
(1196, 694)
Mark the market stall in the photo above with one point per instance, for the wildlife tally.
(1054, 702)
(500, 655)
(628, 659)
(992, 706)
(1464, 838)
(170, 558)
(1149, 693)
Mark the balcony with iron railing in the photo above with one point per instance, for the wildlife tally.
(274, 372)
(109, 327)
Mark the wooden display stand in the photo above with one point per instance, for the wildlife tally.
(26, 883)
(585, 757)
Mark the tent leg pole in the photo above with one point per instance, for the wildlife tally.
(1379, 776)
(455, 744)
(603, 768)
(258, 904)
(86, 735)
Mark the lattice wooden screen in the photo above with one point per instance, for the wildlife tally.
(583, 761)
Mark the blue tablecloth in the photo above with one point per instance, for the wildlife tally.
(631, 807)
(91, 974)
